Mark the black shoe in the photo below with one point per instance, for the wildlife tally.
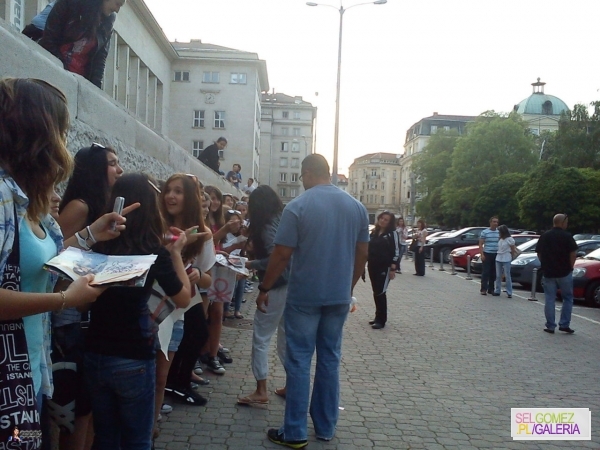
(495, 295)
(215, 366)
(509, 296)
(490, 292)
(187, 395)
(483, 292)
(276, 437)
(549, 330)
(204, 359)
(224, 357)
(371, 322)
(377, 326)
(566, 330)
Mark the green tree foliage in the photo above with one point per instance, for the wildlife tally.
(494, 146)
(498, 197)
(577, 141)
(551, 189)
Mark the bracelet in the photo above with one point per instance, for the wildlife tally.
(90, 235)
(263, 289)
(64, 300)
(82, 242)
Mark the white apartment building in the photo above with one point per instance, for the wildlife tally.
(287, 130)
(216, 91)
(375, 182)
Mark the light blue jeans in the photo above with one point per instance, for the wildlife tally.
(551, 285)
(500, 266)
(308, 328)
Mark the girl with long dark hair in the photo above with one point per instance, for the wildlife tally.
(420, 234)
(264, 209)
(78, 33)
(120, 367)
(34, 121)
(382, 263)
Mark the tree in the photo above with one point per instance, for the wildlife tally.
(551, 189)
(493, 146)
(498, 197)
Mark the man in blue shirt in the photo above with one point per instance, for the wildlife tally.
(327, 232)
(488, 248)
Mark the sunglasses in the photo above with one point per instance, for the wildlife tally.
(241, 204)
(192, 176)
(233, 211)
(95, 145)
(155, 187)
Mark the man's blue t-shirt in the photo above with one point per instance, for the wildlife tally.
(323, 225)
(490, 240)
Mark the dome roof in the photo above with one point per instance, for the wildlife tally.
(542, 104)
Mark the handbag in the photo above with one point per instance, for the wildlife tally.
(18, 405)
(515, 253)
(414, 246)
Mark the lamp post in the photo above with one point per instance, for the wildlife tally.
(341, 10)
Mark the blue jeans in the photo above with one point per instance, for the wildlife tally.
(122, 392)
(565, 284)
(308, 328)
(500, 266)
(238, 294)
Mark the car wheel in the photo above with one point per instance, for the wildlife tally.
(445, 254)
(592, 294)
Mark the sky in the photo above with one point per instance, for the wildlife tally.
(403, 60)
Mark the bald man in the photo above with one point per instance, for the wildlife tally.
(557, 252)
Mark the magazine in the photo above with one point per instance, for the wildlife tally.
(234, 263)
(127, 270)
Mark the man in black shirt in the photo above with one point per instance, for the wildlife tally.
(557, 252)
(210, 155)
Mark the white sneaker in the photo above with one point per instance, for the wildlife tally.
(198, 368)
(166, 409)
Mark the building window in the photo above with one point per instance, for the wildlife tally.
(238, 78)
(547, 108)
(285, 131)
(293, 192)
(285, 114)
(210, 77)
(197, 147)
(295, 147)
(373, 172)
(219, 119)
(282, 192)
(294, 178)
(198, 119)
(283, 176)
(182, 76)
(382, 185)
(283, 162)
(296, 114)
(393, 199)
(284, 146)
(296, 131)
(382, 200)
(295, 162)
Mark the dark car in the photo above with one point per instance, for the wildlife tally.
(460, 254)
(443, 245)
(521, 269)
(586, 278)
(526, 243)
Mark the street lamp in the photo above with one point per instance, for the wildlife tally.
(341, 10)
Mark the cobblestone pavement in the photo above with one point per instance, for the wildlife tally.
(443, 374)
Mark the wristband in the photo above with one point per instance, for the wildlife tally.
(82, 242)
(90, 236)
(263, 289)
(64, 300)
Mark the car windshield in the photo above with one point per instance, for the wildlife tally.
(475, 231)
(595, 255)
(528, 246)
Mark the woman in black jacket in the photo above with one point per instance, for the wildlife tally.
(78, 33)
(382, 263)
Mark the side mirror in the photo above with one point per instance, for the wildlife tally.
(580, 253)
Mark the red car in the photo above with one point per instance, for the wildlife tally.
(460, 254)
(586, 278)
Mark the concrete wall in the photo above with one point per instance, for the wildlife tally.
(95, 116)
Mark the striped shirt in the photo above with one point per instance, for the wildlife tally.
(490, 240)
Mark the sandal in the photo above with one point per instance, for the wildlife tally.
(238, 315)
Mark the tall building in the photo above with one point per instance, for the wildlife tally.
(375, 182)
(216, 91)
(417, 137)
(541, 111)
(287, 137)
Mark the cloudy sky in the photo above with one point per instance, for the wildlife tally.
(403, 60)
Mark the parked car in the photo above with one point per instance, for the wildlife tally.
(443, 245)
(460, 254)
(581, 237)
(521, 269)
(586, 278)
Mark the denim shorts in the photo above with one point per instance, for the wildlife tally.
(177, 336)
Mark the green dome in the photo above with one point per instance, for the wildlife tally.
(541, 104)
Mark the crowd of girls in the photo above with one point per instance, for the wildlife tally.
(110, 373)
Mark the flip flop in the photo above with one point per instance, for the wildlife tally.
(248, 401)
(238, 316)
(280, 392)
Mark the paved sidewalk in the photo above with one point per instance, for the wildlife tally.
(443, 374)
